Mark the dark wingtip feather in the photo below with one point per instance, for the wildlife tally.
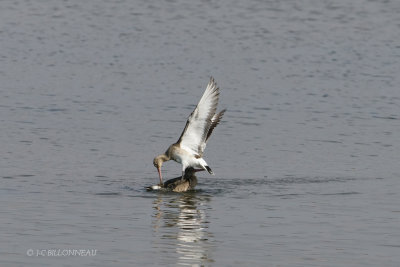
(216, 119)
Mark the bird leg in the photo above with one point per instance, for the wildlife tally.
(183, 175)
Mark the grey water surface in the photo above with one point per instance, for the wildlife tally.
(306, 157)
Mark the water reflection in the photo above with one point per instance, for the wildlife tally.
(181, 228)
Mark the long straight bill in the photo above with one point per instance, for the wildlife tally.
(159, 174)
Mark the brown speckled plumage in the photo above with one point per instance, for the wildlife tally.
(178, 184)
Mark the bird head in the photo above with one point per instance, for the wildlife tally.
(157, 162)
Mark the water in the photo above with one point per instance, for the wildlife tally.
(306, 158)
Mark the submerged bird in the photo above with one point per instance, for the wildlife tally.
(178, 184)
(189, 148)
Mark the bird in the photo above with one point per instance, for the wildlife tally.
(189, 148)
(178, 184)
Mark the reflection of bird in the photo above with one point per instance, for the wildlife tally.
(178, 184)
(191, 144)
(181, 222)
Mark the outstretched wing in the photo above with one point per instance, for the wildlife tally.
(214, 122)
(194, 136)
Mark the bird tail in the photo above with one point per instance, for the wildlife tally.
(209, 170)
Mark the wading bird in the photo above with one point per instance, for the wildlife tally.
(178, 184)
(189, 148)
